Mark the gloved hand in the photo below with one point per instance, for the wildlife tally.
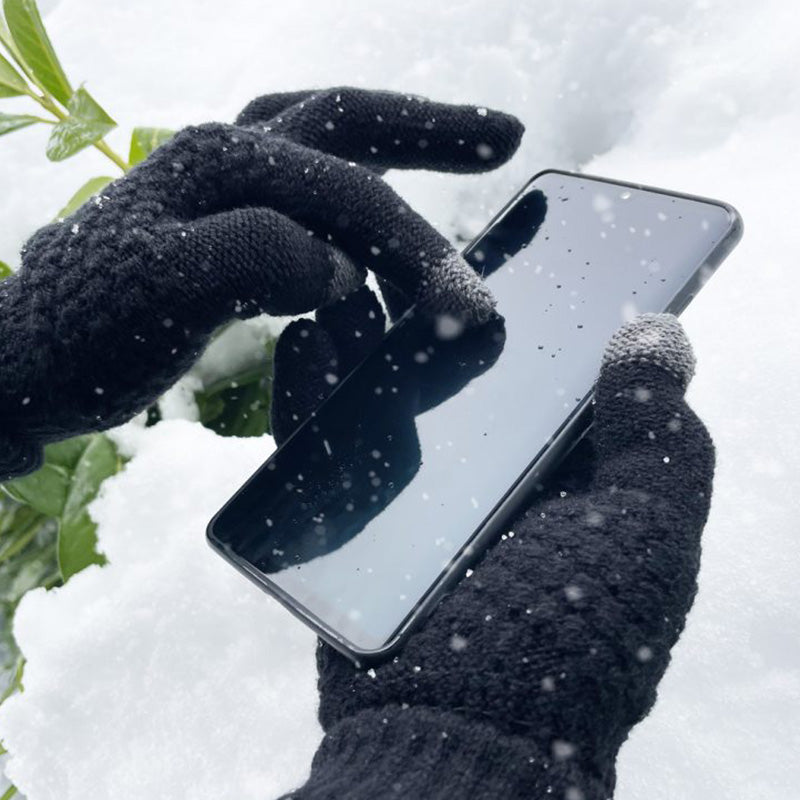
(114, 303)
(527, 678)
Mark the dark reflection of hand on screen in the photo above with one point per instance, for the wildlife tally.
(352, 474)
(349, 465)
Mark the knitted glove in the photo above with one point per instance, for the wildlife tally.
(114, 303)
(527, 678)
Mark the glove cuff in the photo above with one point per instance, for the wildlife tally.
(423, 752)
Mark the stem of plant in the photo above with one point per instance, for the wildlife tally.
(16, 684)
(107, 151)
(25, 539)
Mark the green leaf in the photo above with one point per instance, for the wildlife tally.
(145, 140)
(47, 489)
(5, 270)
(13, 122)
(67, 453)
(11, 82)
(90, 188)
(34, 566)
(9, 514)
(44, 490)
(239, 405)
(8, 42)
(19, 538)
(30, 36)
(9, 793)
(97, 462)
(86, 124)
(77, 545)
(238, 410)
(210, 407)
(13, 679)
(77, 533)
(5, 36)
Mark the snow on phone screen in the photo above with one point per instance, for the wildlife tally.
(360, 512)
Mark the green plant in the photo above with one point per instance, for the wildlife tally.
(46, 534)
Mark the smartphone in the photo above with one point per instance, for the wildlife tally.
(377, 505)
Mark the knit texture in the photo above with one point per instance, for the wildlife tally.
(553, 647)
(409, 752)
(272, 214)
(654, 338)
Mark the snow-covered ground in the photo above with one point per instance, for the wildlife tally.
(165, 674)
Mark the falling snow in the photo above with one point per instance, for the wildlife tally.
(134, 669)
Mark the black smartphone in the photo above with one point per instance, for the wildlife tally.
(377, 504)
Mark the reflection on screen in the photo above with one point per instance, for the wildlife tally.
(360, 512)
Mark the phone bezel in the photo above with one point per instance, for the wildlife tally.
(563, 440)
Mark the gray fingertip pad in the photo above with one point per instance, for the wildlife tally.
(454, 288)
(347, 277)
(653, 339)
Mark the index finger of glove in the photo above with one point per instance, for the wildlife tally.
(383, 130)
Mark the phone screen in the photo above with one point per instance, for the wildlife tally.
(363, 509)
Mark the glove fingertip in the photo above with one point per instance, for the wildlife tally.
(652, 339)
(347, 277)
(456, 290)
(489, 137)
(507, 132)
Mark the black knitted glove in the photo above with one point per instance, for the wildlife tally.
(113, 304)
(526, 680)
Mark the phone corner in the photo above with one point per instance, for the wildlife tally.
(547, 171)
(365, 659)
(210, 534)
(736, 230)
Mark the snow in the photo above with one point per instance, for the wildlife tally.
(165, 673)
(178, 682)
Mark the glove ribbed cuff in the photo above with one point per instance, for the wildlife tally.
(430, 754)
